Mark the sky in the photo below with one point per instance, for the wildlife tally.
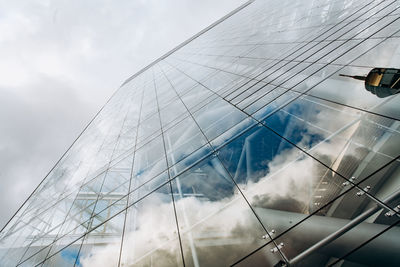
(60, 62)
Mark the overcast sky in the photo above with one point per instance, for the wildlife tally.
(60, 60)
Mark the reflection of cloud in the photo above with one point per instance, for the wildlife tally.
(154, 227)
(288, 184)
(102, 256)
(47, 47)
(222, 228)
(154, 238)
(228, 223)
(220, 224)
(286, 203)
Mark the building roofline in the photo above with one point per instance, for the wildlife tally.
(128, 80)
(188, 41)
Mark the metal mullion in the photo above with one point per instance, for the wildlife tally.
(335, 235)
(96, 116)
(230, 72)
(314, 39)
(295, 145)
(325, 65)
(271, 25)
(51, 206)
(177, 57)
(55, 240)
(233, 73)
(82, 224)
(188, 41)
(215, 153)
(308, 154)
(101, 187)
(321, 208)
(163, 184)
(364, 243)
(349, 106)
(227, 88)
(169, 175)
(304, 93)
(83, 183)
(116, 213)
(60, 225)
(113, 216)
(320, 49)
(130, 180)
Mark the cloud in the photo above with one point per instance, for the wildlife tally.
(221, 229)
(288, 187)
(220, 223)
(36, 131)
(153, 235)
(61, 60)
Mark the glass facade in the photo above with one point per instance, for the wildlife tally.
(262, 141)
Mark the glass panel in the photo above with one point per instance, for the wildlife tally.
(173, 111)
(66, 257)
(269, 102)
(231, 133)
(149, 127)
(150, 237)
(102, 245)
(41, 239)
(150, 159)
(383, 183)
(382, 245)
(262, 257)
(142, 186)
(374, 58)
(182, 140)
(189, 161)
(355, 93)
(216, 224)
(267, 169)
(196, 97)
(315, 228)
(11, 256)
(318, 118)
(343, 138)
(105, 210)
(220, 81)
(217, 117)
(181, 83)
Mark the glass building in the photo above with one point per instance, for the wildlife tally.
(248, 145)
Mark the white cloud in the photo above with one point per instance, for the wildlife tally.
(61, 60)
(151, 233)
